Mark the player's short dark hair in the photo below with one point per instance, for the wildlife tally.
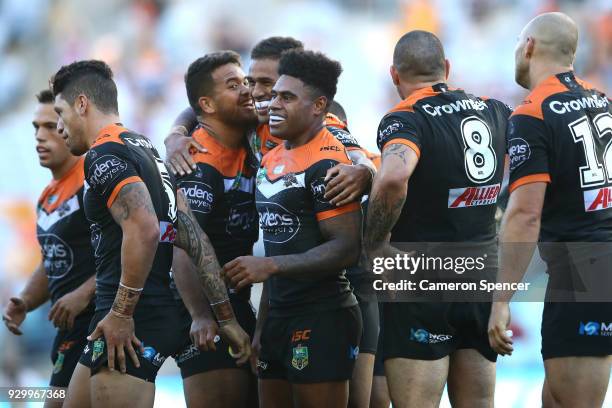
(314, 69)
(198, 79)
(419, 53)
(273, 47)
(92, 78)
(337, 109)
(45, 96)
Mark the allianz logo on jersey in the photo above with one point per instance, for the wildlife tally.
(473, 196)
(454, 107)
(598, 199)
(595, 329)
(425, 337)
(576, 105)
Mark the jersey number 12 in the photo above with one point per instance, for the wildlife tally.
(594, 173)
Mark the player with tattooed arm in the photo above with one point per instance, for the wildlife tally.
(136, 217)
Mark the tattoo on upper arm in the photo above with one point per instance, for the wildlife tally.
(131, 197)
(396, 149)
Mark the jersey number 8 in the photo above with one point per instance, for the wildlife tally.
(480, 159)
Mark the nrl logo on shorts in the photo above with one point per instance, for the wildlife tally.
(98, 349)
(300, 357)
(59, 363)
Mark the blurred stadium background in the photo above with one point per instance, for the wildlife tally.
(150, 43)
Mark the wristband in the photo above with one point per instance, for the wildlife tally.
(223, 310)
(125, 301)
(127, 287)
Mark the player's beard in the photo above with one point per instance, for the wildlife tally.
(239, 116)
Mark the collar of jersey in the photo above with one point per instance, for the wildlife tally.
(69, 173)
(556, 79)
(201, 134)
(305, 145)
(107, 129)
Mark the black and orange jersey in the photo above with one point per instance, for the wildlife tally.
(117, 158)
(221, 194)
(262, 141)
(63, 233)
(561, 135)
(460, 142)
(290, 201)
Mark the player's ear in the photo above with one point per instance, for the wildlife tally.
(320, 105)
(447, 67)
(394, 75)
(529, 47)
(80, 104)
(207, 105)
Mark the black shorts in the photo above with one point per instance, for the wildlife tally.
(312, 348)
(159, 328)
(430, 331)
(379, 362)
(192, 360)
(576, 329)
(67, 349)
(371, 321)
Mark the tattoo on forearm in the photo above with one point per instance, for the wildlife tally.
(398, 150)
(132, 197)
(383, 211)
(194, 241)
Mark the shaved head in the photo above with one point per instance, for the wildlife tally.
(551, 39)
(419, 56)
(555, 36)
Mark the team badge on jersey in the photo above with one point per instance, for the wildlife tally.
(300, 357)
(261, 175)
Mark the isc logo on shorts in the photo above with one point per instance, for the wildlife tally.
(300, 335)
